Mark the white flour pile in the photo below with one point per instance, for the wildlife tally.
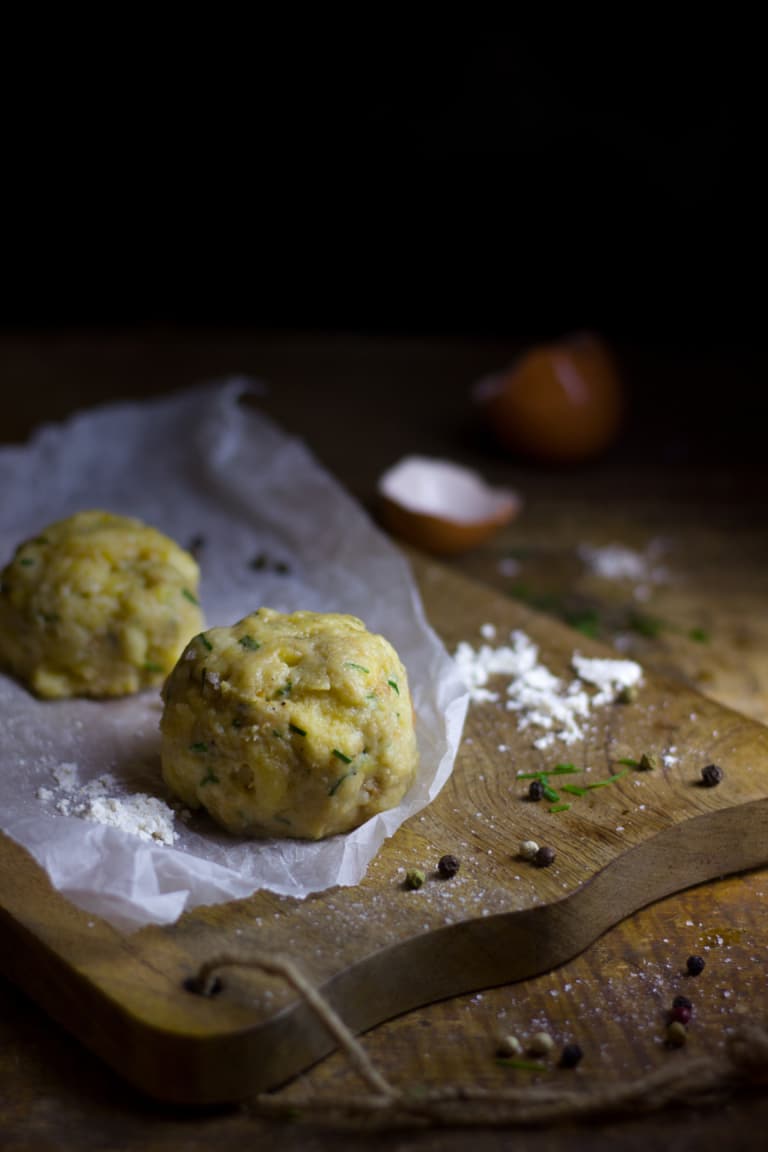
(541, 699)
(147, 817)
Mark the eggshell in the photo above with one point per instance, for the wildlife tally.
(558, 402)
(442, 507)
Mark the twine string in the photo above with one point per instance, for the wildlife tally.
(743, 1061)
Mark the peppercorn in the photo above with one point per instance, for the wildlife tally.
(570, 1056)
(627, 694)
(711, 775)
(648, 762)
(682, 1002)
(695, 965)
(681, 1013)
(541, 1044)
(676, 1034)
(448, 866)
(536, 790)
(544, 857)
(414, 878)
(509, 1046)
(528, 849)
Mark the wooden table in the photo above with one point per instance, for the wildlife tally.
(709, 628)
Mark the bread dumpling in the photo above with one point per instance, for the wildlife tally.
(289, 725)
(97, 605)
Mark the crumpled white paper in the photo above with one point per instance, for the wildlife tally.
(199, 463)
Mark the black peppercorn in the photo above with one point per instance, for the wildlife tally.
(681, 1002)
(536, 790)
(570, 1056)
(448, 866)
(695, 965)
(711, 775)
(544, 857)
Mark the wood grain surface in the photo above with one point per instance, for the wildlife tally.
(390, 950)
(613, 997)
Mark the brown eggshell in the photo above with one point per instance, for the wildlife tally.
(440, 507)
(560, 402)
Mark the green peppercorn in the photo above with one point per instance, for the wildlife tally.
(414, 878)
(676, 1034)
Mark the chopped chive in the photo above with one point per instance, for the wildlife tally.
(249, 643)
(549, 793)
(558, 770)
(573, 789)
(335, 787)
(630, 763)
(341, 756)
(523, 1065)
(189, 596)
(201, 636)
(560, 808)
(645, 625)
(608, 780)
(393, 686)
(209, 778)
(299, 731)
(277, 734)
(199, 747)
(150, 666)
(26, 561)
(286, 688)
(700, 635)
(358, 667)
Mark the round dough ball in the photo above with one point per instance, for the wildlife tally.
(97, 605)
(294, 725)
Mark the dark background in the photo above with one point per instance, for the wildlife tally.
(467, 177)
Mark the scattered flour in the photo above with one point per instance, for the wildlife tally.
(617, 562)
(98, 801)
(541, 699)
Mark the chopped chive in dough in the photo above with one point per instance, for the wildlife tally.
(393, 685)
(209, 778)
(50, 617)
(284, 691)
(357, 667)
(237, 722)
(249, 643)
(199, 747)
(204, 641)
(334, 789)
(151, 666)
(277, 734)
(26, 561)
(341, 756)
(189, 596)
(299, 731)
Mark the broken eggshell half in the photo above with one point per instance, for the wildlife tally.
(442, 507)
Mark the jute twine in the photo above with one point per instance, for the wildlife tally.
(694, 1080)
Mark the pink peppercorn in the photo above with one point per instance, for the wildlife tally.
(680, 1012)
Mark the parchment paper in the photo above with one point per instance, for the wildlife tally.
(199, 463)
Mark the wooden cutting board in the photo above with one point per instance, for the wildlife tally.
(378, 950)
